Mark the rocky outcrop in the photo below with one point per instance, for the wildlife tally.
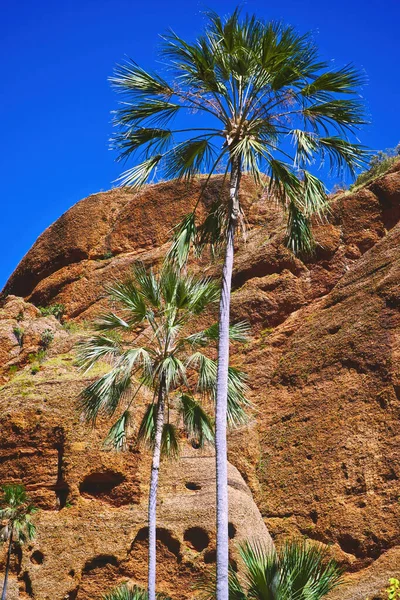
(321, 456)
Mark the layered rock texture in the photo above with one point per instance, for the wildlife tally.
(321, 456)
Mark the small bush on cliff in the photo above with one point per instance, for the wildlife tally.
(378, 165)
(47, 337)
(19, 334)
(57, 310)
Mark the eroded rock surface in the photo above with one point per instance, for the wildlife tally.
(321, 456)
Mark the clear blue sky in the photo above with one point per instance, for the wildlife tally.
(55, 100)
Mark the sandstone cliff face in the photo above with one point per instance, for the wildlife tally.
(321, 456)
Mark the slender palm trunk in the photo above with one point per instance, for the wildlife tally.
(155, 467)
(4, 593)
(222, 393)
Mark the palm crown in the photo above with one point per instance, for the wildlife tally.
(297, 571)
(269, 104)
(164, 358)
(16, 512)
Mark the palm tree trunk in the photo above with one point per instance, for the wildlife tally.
(4, 593)
(155, 467)
(222, 392)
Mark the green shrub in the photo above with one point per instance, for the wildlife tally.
(47, 338)
(378, 165)
(13, 369)
(393, 591)
(19, 334)
(37, 357)
(57, 310)
(35, 369)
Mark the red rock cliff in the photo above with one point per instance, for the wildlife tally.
(322, 455)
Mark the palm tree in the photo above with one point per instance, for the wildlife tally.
(15, 516)
(298, 571)
(264, 103)
(165, 359)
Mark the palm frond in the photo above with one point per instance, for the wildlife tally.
(238, 332)
(183, 239)
(116, 437)
(110, 322)
(343, 154)
(189, 158)
(98, 347)
(262, 575)
(147, 284)
(146, 432)
(139, 174)
(173, 371)
(149, 139)
(197, 423)
(238, 404)
(153, 111)
(307, 570)
(130, 298)
(299, 238)
(136, 82)
(343, 81)
(237, 388)
(131, 592)
(170, 441)
(103, 396)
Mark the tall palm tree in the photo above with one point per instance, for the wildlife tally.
(15, 516)
(297, 571)
(262, 102)
(165, 359)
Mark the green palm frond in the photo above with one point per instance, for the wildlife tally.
(197, 423)
(96, 348)
(299, 238)
(189, 158)
(238, 332)
(185, 234)
(139, 174)
(343, 81)
(308, 570)
(342, 154)
(132, 79)
(313, 199)
(238, 404)
(154, 111)
(147, 426)
(297, 571)
(170, 441)
(127, 294)
(103, 396)
(125, 592)
(110, 322)
(262, 575)
(131, 592)
(147, 284)
(117, 436)
(173, 371)
(150, 140)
